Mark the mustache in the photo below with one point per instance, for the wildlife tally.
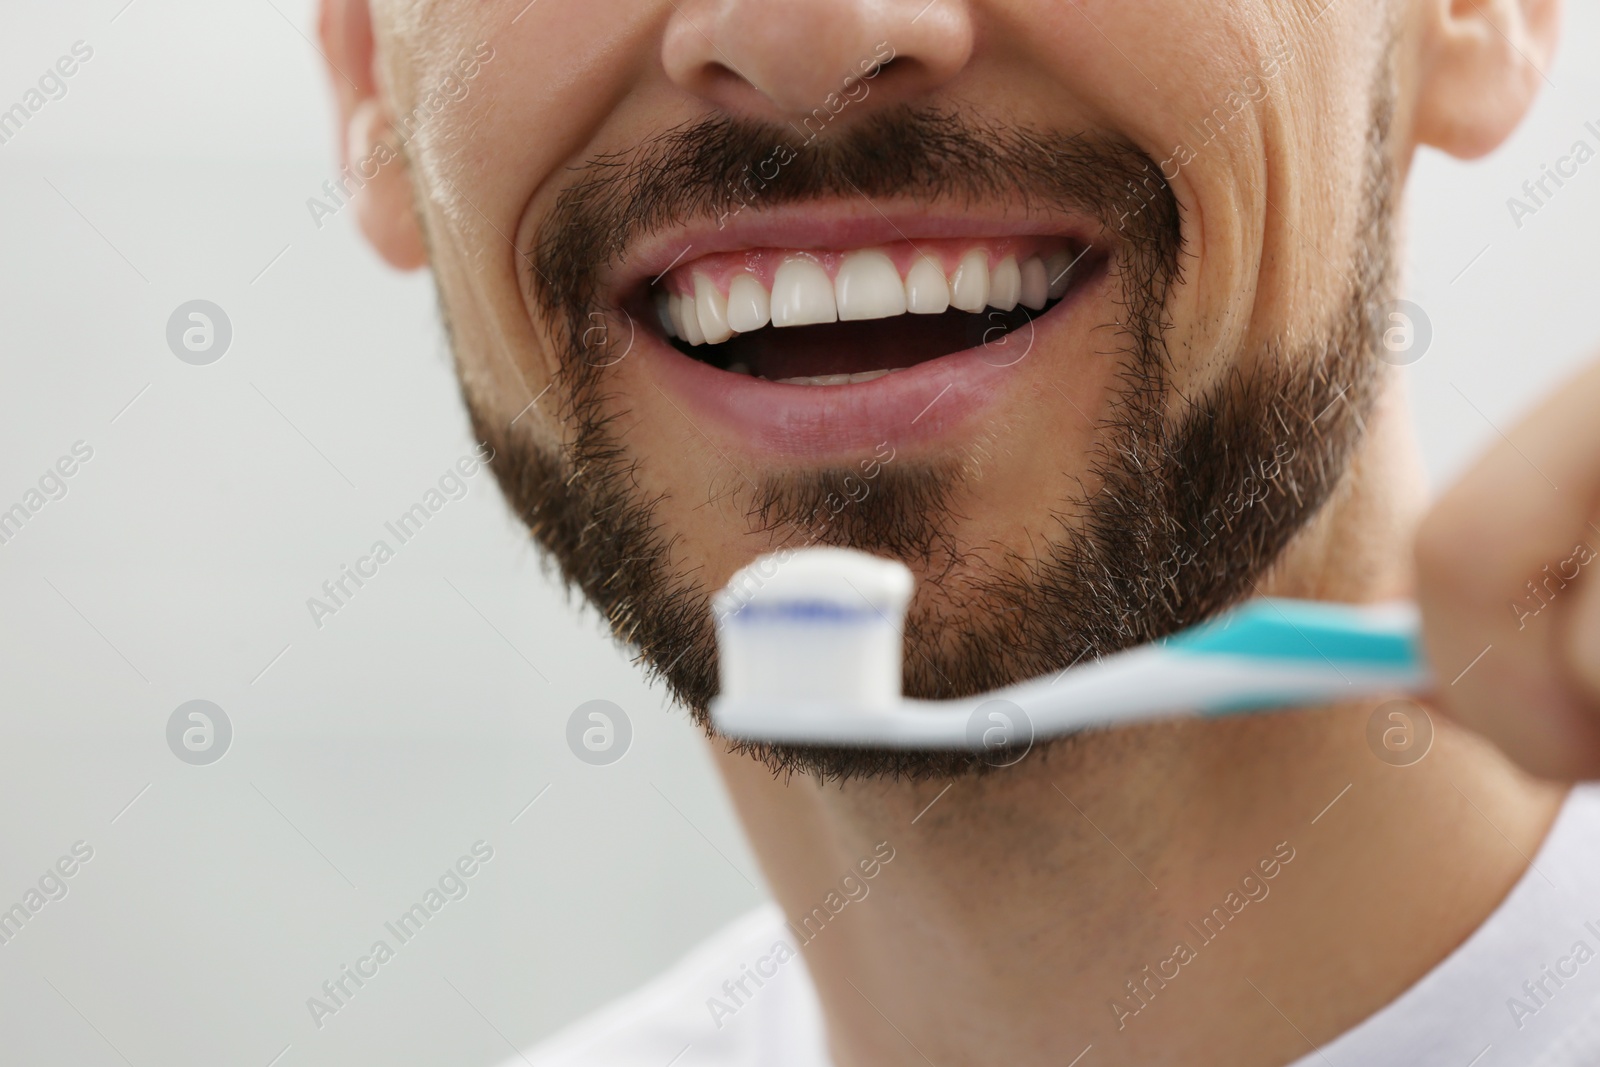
(707, 169)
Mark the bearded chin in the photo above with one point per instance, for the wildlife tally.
(1195, 501)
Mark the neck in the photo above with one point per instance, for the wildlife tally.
(1195, 892)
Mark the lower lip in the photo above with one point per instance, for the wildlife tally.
(923, 404)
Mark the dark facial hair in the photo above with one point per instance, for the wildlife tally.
(1191, 508)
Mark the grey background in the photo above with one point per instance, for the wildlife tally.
(370, 754)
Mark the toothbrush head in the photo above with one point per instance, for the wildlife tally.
(810, 645)
(814, 624)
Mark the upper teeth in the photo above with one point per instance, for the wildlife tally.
(867, 285)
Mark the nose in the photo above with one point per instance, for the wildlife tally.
(786, 58)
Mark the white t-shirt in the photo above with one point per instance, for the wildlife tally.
(744, 997)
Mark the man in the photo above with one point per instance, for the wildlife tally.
(1080, 310)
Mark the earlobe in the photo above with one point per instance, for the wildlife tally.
(376, 169)
(1482, 63)
(384, 204)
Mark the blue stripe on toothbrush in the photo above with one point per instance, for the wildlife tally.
(1281, 629)
(805, 611)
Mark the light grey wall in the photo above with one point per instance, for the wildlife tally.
(373, 752)
(1511, 305)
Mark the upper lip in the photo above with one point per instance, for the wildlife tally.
(842, 225)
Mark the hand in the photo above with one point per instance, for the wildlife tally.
(1508, 566)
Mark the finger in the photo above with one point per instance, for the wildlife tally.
(1582, 638)
(1492, 563)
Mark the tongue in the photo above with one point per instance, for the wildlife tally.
(853, 347)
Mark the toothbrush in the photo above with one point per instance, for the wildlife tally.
(810, 653)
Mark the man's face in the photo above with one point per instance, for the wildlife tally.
(679, 244)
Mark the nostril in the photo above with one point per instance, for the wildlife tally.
(781, 60)
(718, 81)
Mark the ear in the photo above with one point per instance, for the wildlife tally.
(368, 147)
(1482, 65)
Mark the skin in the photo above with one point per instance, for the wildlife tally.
(1019, 904)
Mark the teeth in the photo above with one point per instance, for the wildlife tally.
(1035, 291)
(673, 315)
(1057, 266)
(867, 286)
(838, 379)
(1005, 284)
(688, 320)
(711, 308)
(670, 305)
(749, 307)
(969, 289)
(802, 294)
(927, 293)
(664, 313)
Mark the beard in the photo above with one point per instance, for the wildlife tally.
(1196, 497)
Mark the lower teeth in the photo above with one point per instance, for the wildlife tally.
(820, 379)
(834, 379)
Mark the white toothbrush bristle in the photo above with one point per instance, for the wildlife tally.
(814, 624)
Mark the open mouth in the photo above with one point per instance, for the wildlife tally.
(830, 318)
